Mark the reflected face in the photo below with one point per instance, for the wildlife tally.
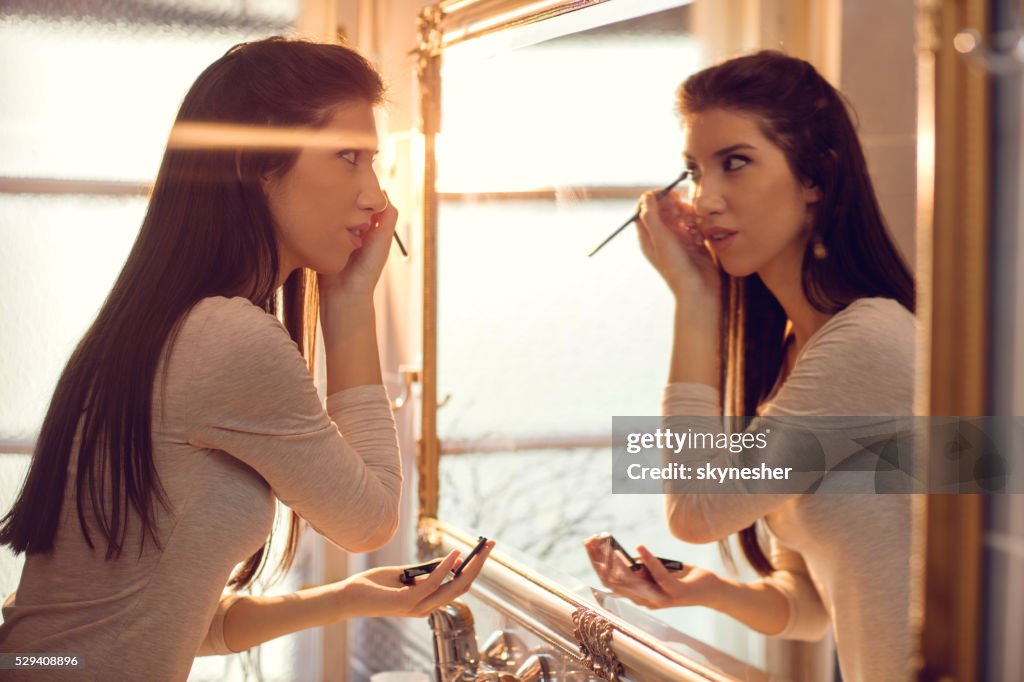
(750, 207)
(324, 202)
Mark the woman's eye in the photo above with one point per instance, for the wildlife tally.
(350, 156)
(735, 162)
(694, 172)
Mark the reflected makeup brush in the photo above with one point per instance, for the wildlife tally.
(685, 174)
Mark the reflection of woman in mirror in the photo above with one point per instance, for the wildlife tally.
(791, 300)
(188, 409)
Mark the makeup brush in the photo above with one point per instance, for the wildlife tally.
(401, 246)
(398, 240)
(685, 174)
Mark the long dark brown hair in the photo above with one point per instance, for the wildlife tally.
(208, 231)
(810, 122)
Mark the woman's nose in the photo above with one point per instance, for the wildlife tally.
(372, 197)
(707, 201)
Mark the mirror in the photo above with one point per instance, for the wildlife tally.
(548, 135)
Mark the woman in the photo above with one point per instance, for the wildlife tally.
(791, 301)
(187, 409)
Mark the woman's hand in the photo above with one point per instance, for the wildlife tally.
(364, 267)
(251, 620)
(380, 592)
(347, 315)
(655, 587)
(671, 242)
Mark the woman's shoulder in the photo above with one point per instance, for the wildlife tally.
(872, 324)
(227, 317)
(225, 308)
(223, 330)
(861, 361)
(872, 339)
(878, 308)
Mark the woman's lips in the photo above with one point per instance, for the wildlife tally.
(720, 238)
(356, 233)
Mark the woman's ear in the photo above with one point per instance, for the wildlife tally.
(811, 193)
(269, 182)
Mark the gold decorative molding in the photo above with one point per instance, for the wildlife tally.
(428, 541)
(466, 20)
(594, 636)
(428, 69)
(954, 300)
(428, 55)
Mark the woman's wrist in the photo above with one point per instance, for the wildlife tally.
(702, 310)
(343, 314)
(342, 605)
(345, 302)
(695, 346)
(252, 620)
(758, 605)
(718, 593)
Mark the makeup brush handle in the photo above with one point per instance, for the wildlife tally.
(612, 236)
(636, 215)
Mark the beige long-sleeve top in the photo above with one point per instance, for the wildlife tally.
(840, 559)
(237, 422)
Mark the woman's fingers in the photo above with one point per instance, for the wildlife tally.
(468, 575)
(458, 586)
(595, 552)
(386, 219)
(659, 573)
(437, 577)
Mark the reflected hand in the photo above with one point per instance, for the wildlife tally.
(365, 265)
(671, 242)
(655, 587)
(380, 592)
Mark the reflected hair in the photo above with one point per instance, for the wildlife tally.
(810, 121)
(208, 231)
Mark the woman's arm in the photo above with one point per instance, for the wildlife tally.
(350, 341)
(346, 309)
(760, 605)
(250, 395)
(695, 353)
(678, 253)
(251, 620)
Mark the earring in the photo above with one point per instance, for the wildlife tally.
(818, 248)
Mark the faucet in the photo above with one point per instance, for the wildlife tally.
(455, 653)
(457, 658)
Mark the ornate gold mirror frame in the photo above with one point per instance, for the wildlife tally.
(953, 257)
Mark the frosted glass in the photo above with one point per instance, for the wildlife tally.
(94, 101)
(61, 256)
(12, 471)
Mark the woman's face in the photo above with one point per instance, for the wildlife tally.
(323, 203)
(750, 207)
